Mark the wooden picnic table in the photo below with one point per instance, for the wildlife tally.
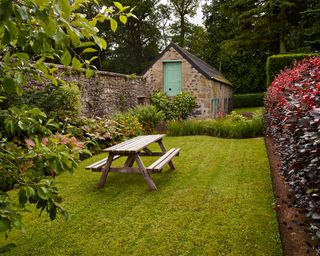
(133, 149)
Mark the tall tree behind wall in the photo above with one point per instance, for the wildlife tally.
(181, 10)
(244, 33)
(135, 45)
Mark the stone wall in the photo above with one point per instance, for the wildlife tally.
(106, 93)
(202, 88)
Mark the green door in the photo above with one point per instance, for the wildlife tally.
(215, 107)
(172, 78)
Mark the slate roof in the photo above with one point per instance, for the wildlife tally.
(204, 68)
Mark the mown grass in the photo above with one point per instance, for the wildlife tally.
(218, 202)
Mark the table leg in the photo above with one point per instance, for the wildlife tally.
(145, 173)
(105, 171)
(163, 149)
(129, 162)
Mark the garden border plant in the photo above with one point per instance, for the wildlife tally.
(292, 118)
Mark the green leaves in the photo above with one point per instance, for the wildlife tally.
(113, 24)
(66, 57)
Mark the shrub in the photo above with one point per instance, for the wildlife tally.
(292, 119)
(128, 124)
(148, 116)
(233, 126)
(180, 107)
(183, 104)
(248, 100)
(58, 102)
(276, 63)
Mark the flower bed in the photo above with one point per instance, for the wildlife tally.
(292, 119)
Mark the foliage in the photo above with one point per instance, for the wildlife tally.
(248, 100)
(148, 116)
(292, 106)
(29, 152)
(180, 107)
(181, 9)
(58, 102)
(100, 133)
(133, 47)
(233, 126)
(224, 194)
(128, 124)
(34, 31)
(276, 63)
(242, 34)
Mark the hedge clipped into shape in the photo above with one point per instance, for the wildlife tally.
(248, 100)
(276, 63)
(292, 119)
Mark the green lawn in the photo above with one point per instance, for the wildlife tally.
(252, 109)
(218, 202)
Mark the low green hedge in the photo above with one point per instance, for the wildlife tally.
(248, 100)
(276, 63)
(233, 126)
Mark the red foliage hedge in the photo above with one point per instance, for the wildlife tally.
(292, 119)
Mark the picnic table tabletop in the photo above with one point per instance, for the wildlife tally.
(134, 145)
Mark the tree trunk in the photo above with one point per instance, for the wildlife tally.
(282, 42)
(182, 30)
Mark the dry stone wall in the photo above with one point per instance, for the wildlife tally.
(106, 93)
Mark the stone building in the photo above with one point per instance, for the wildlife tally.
(177, 70)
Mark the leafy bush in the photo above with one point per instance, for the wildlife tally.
(248, 100)
(58, 102)
(128, 124)
(30, 152)
(292, 118)
(233, 126)
(179, 108)
(148, 116)
(276, 63)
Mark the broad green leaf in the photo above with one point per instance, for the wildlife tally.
(9, 85)
(75, 36)
(41, 3)
(89, 73)
(66, 57)
(50, 28)
(6, 57)
(85, 44)
(76, 63)
(118, 5)
(19, 90)
(65, 8)
(100, 42)
(42, 67)
(53, 213)
(21, 55)
(89, 50)
(113, 24)
(123, 19)
(93, 58)
(30, 191)
(59, 36)
(43, 193)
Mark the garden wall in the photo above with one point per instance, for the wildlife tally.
(106, 93)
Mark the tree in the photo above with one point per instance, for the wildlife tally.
(32, 32)
(244, 33)
(182, 9)
(132, 48)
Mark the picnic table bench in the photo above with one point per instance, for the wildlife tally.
(133, 149)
